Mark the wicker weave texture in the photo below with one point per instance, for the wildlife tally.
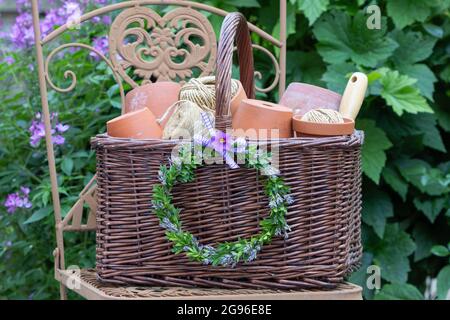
(223, 205)
(226, 205)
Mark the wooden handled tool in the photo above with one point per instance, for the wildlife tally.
(353, 96)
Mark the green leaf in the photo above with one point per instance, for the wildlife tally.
(342, 38)
(445, 74)
(377, 207)
(443, 283)
(313, 9)
(443, 117)
(424, 76)
(39, 215)
(395, 181)
(373, 149)
(337, 75)
(434, 30)
(431, 208)
(426, 125)
(67, 165)
(413, 47)
(406, 12)
(424, 237)
(399, 292)
(244, 3)
(306, 67)
(391, 254)
(359, 277)
(420, 174)
(401, 95)
(440, 251)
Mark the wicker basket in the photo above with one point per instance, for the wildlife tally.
(225, 204)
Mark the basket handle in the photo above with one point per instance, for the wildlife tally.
(234, 29)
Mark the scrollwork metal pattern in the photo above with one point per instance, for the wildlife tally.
(161, 48)
(70, 74)
(276, 65)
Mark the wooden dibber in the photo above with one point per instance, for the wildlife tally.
(353, 96)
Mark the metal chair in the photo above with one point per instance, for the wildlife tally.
(122, 58)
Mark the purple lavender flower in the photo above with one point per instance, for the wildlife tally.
(9, 60)
(58, 140)
(168, 225)
(22, 35)
(61, 128)
(37, 130)
(18, 200)
(101, 44)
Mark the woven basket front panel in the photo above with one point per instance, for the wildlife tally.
(225, 205)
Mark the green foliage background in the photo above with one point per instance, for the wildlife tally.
(406, 118)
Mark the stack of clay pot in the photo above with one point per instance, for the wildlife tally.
(253, 119)
(304, 110)
(146, 105)
(143, 106)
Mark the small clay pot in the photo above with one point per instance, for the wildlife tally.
(254, 115)
(157, 97)
(302, 97)
(306, 128)
(236, 100)
(139, 124)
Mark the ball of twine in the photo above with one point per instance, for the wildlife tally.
(202, 92)
(323, 116)
(184, 122)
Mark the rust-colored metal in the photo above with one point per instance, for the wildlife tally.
(225, 204)
(152, 49)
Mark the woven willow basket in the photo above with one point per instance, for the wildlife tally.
(225, 204)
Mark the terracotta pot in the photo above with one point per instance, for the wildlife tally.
(302, 97)
(236, 100)
(306, 128)
(157, 97)
(254, 115)
(140, 124)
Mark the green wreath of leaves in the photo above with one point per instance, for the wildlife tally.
(182, 170)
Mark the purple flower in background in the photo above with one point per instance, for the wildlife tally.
(37, 130)
(18, 200)
(101, 44)
(58, 140)
(51, 19)
(9, 60)
(22, 34)
(61, 128)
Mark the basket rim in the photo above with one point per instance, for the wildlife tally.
(354, 140)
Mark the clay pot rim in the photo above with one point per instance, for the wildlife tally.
(268, 105)
(323, 129)
(315, 88)
(128, 115)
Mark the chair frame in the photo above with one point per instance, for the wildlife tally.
(73, 220)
